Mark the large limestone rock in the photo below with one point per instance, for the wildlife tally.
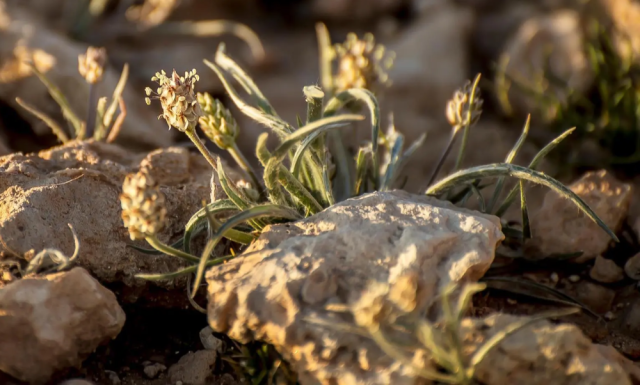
(540, 354)
(80, 183)
(53, 322)
(415, 244)
(559, 227)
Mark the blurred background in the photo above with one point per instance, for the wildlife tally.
(568, 63)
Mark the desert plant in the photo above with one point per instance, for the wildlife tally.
(607, 113)
(100, 123)
(304, 185)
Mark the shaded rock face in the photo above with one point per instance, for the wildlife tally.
(53, 322)
(415, 244)
(541, 353)
(80, 183)
(560, 228)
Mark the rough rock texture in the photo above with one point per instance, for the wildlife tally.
(606, 270)
(541, 354)
(54, 322)
(194, 367)
(559, 227)
(25, 38)
(80, 183)
(527, 55)
(416, 244)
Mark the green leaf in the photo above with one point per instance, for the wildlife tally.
(510, 157)
(506, 169)
(366, 96)
(183, 271)
(235, 196)
(533, 165)
(278, 126)
(199, 218)
(229, 65)
(245, 216)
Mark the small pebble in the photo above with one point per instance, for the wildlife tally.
(606, 271)
(153, 370)
(511, 301)
(209, 341)
(609, 316)
(554, 277)
(574, 278)
(632, 267)
(113, 377)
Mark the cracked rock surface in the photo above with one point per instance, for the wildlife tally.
(415, 244)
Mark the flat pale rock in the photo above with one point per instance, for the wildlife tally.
(541, 354)
(53, 322)
(559, 227)
(414, 244)
(79, 183)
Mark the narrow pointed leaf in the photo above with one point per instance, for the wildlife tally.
(506, 169)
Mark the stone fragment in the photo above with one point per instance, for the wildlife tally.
(53, 322)
(194, 368)
(606, 271)
(559, 227)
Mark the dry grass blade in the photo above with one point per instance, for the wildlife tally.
(117, 96)
(216, 28)
(117, 125)
(57, 130)
(506, 169)
(59, 97)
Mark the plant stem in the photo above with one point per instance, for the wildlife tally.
(90, 123)
(444, 155)
(241, 160)
(166, 249)
(191, 133)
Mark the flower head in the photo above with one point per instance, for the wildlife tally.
(362, 64)
(143, 210)
(180, 108)
(460, 105)
(91, 64)
(217, 122)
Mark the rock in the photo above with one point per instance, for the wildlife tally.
(415, 244)
(25, 38)
(153, 370)
(113, 377)
(354, 10)
(53, 322)
(559, 227)
(630, 321)
(80, 183)
(431, 58)
(194, 367)
(209, 341)
(77, 381)
(622, 15)
(606, 271)
(596, 297)
(632, 267)
(540, 353)
(527, 55)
